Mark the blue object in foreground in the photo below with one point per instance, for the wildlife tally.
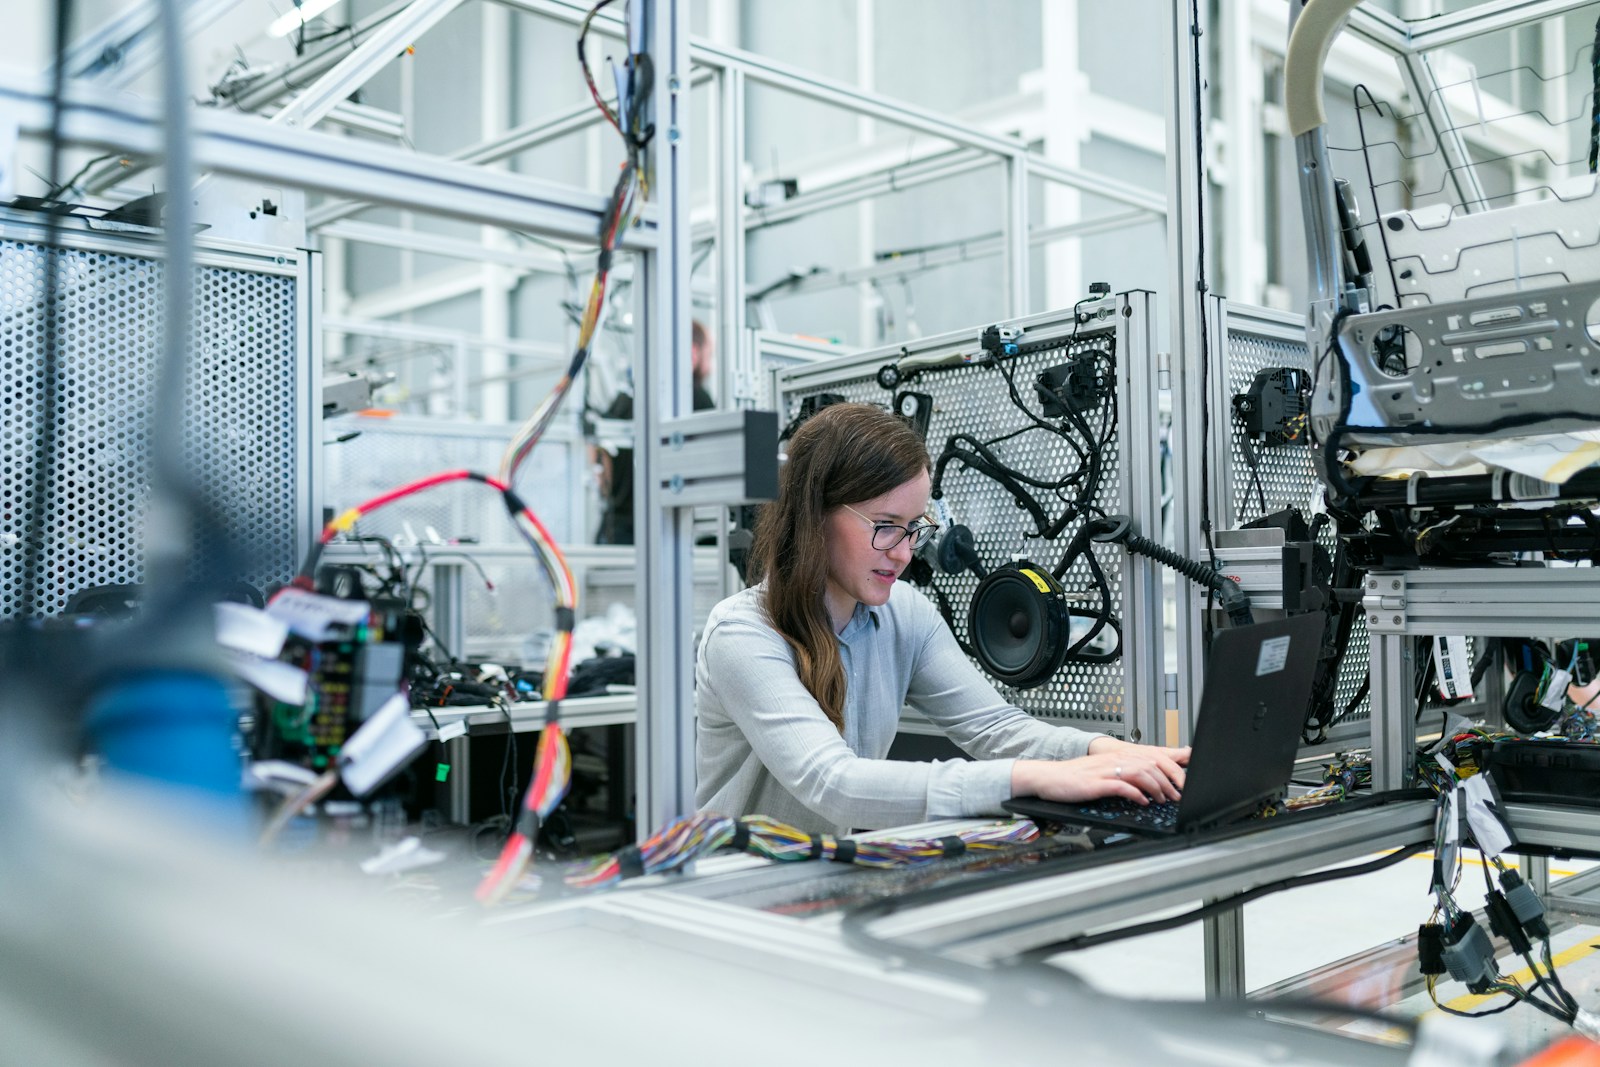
(174, 727)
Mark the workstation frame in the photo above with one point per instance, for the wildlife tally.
(244, 147)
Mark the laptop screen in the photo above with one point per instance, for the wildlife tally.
(1252, 710)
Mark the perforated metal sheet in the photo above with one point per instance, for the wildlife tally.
(243, 430)
(1285, 477)
(974, 399)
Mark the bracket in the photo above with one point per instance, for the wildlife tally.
(727, 457)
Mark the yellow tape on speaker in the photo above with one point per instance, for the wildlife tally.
(1037, 579)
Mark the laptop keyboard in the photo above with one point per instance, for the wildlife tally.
(1162, 815)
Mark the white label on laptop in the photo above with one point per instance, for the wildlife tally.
(1274, 656)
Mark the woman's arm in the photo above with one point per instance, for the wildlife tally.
(949, 690)
(1058, 762)
(750, 678)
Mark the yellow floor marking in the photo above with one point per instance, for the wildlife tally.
(1470, 861)
(1468, 1001)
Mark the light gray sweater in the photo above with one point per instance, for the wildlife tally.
(764, 746)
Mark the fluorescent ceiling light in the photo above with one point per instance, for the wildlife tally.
(302, 13)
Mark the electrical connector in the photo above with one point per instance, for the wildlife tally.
(1430, 948)
(1503, 921)
(1469, 955)
(1525, 904)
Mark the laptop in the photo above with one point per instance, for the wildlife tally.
(1252, 710)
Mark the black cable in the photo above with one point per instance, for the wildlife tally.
(398, 581)
(1201, 290)
(1253, 461)
(1083, 941)
(1594, 101)
(508, 769)
(1564, 1004)
(1507, 1006)
(943, 604)
(57, 190)
(1372, 187)
(1085, 480)
(1102, 620)
(1425, 676)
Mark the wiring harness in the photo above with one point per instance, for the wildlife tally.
(1451, 941)
(700, 834)
(553, 760)
(1075, 489)
(634, 82)
(1340, 780)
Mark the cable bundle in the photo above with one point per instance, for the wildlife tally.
(697, 835)
(1077, 488)
(670, 848)
(553, 760)
(1340, 780)
(777, 841)
(633, 84)
(1460, 947)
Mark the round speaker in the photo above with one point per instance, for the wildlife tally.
(1524, 714)
(1019, 624)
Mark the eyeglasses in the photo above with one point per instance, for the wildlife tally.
(885, 535)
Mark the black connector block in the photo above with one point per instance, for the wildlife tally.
(1503, 921)
(1525, 905)
(1078, 386)
(1275, 406)
(1430, 948)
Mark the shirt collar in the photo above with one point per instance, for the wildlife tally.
(859, 620)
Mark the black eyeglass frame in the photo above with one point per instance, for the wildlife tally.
(919, 530)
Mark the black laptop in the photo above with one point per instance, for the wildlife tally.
(1257, 691)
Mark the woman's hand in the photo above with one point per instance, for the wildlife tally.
(1113, 768)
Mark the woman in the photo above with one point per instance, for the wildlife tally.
(800, 679)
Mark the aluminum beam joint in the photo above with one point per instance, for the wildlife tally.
(722, 458)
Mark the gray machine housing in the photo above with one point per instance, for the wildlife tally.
(251, 424)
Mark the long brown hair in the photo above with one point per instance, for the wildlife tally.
(844, 454)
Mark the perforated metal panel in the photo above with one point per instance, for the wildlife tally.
(245, 419)
(974, 399)
(1256, 340)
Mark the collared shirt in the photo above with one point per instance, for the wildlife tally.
(764, 746)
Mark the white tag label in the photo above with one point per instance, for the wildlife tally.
(1452, 667)
(247, 629)
(1274, 656)
(283, 682)
(314, 616)
(385, 743)
(1484, 816)
(453, 730)
(1555, 690)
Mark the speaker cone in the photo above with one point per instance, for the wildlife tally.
(1523, 713)
(1018, 624)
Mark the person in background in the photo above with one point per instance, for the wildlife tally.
(800, 679)
(616, 472)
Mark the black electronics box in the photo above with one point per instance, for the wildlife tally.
(1550, 767)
